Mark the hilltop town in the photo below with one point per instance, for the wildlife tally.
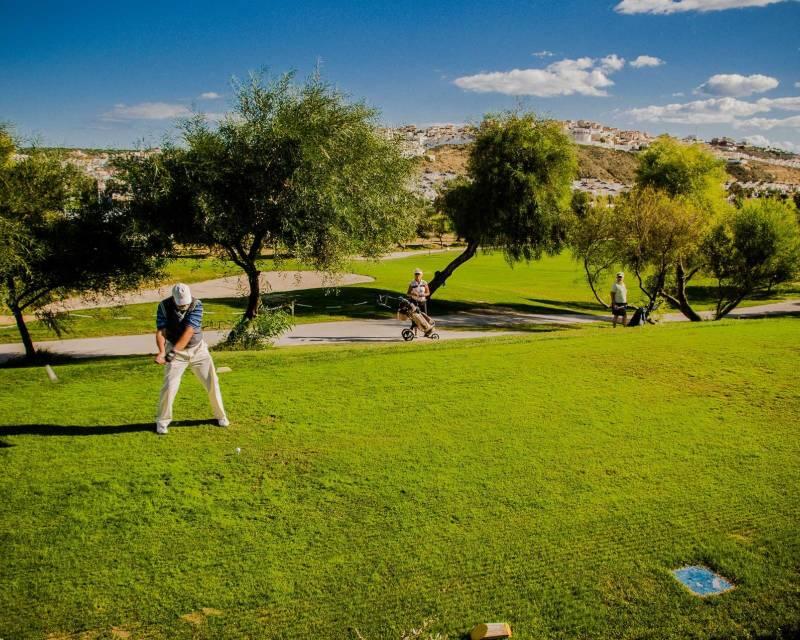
(606, 156)
(418, 140)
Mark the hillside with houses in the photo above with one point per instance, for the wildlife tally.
(607, 158)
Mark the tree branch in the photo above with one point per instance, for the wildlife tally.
(591, 279)
(441, 276)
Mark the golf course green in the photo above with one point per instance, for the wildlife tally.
(554, 284)
(551, 481)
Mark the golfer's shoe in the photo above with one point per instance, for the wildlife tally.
(162, 431)
(224, 422)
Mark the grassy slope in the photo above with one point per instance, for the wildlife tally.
(541, 481)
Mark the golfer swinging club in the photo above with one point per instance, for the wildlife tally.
(179, 337)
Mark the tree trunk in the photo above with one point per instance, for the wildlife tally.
(591, 280)
(254, 297)
(683, 300)
(30, 351)
(652, 296)
(729, 306)
(441, 276)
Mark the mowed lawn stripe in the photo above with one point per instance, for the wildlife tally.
(550, 481)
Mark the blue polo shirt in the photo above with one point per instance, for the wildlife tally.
(177, 324)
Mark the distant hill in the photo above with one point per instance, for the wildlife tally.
(593, 162)
(610, 165)
(606, 164)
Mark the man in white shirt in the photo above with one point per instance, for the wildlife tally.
(619, 300)
(419, 292)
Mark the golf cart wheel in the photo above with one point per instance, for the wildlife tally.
(434, 336)
(408, 335)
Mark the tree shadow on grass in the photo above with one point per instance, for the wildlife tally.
(568, 306)
(99, 430)
(63, 360)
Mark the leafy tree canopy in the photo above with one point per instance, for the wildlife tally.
(296, 168)
(60, 238)
(682, 170)
(753, 249)
(516, 191)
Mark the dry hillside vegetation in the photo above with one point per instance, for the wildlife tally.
(606, 164)
(755, 172)
(789, 175)
(449, 158)
(594, 162)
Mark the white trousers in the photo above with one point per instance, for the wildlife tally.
(199, 360)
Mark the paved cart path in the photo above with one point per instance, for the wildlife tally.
(472, 324)
(476, 324)
(317, 333)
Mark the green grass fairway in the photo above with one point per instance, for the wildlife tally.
(550, 481)
(554, 284)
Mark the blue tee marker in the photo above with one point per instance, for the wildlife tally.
(701, 581)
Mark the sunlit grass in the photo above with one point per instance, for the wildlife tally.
(552, 285)
(551, 481)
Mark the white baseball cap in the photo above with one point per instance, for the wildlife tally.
(181, 294)
(417, 271)
(620, 275)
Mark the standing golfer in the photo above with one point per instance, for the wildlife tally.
(419, 292)
(179, 337)
(619, 300)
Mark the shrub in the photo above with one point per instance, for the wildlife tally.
(258, 333)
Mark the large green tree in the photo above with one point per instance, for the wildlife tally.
(657, 229)
(657, 232)
(295, 168)
(594, 239)
(694, 179)
(59, 237)
(751, 250)
(516, 192)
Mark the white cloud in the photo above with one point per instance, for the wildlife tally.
(646, 61)
(612, 63)
(210, 95)
(583, 76)
(544, 54)
(797, 85)
(784, 104)
(761, 141)
(680, 94)
(711, 111)
(664, 7)
(147, 111)
(738, 113)
(792, 122)
(737, 85)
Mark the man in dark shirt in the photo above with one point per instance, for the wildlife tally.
(179, 336)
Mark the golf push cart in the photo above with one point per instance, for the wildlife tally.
(406, 309)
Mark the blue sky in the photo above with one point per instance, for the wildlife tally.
(113, 74)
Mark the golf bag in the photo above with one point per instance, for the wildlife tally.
(411, 311)
(640, 317)
(407, 309)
